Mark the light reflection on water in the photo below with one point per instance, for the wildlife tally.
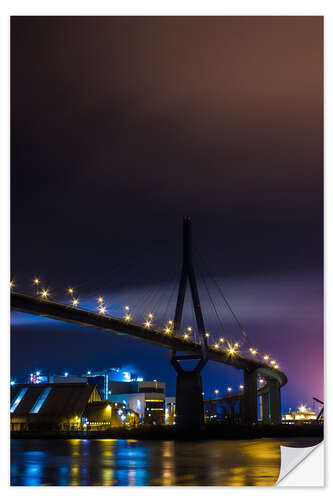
(120, 462)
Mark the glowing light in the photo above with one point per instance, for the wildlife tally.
(276, 366)
(70, 291)
(170, 322)
(66, 374)
(266, 357)
(216, 346)
(216, 391)
(231, 350)
(236, 345)
(12, 382)
(127, 308)
(147, 324)
(222, 340)
(261, 381)
(241, 387)
(75, 302)
(189, 328)
(127, 317)
(150, 315)
(253, 351)
(229, 389)
(12, 284)
(102, 310)
(44, 293)
(36, 281)
(302, 408)
(207, 335)
(273, 362)
(167, 329)
(100, 300)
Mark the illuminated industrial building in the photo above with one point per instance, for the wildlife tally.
(147, 399)
(170, 411)
(302, 415)
(50, 406)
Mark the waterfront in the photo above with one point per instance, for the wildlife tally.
(121, 462)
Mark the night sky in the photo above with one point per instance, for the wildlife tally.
(122, 125)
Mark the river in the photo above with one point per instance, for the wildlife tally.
(121, 462)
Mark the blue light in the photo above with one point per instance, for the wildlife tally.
(66, 374)
(40, 401)
(12, 382)
(139, 379)
(89, 372)
(18, 399)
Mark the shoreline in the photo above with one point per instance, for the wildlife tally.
(210, 432)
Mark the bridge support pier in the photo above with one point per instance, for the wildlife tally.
(250, 397)
(275, 401)
(189, 401)
(265, 408)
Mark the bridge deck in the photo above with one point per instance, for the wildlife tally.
(62, 312)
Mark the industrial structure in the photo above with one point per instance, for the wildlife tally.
(147, 399)
(65, 407)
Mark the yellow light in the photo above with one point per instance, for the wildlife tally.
(44, 293)
(241, 387)
(266, 357)
(108, 407)
(127, 308)
(273, 362)
(75, 302)
(185, 336)
(222, 340)
(229, 389)
(70, 291)
(207, 334)
(189, 328)
(127, 317)
(261, 381)
(12, 284)
(167, 329)
(150, 315)
(216, 346)
(148, 324)
(36, 281)
(276, 366)
(236, 345)
(100, 300)
(254, 352)
(102, 310)
(170, 322)
(302, 408)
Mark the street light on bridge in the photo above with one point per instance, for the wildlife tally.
(44, 293)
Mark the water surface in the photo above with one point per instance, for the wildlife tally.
(121, 462)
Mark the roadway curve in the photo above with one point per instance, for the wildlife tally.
(62, 312)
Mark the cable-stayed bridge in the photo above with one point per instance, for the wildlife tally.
(196, 345)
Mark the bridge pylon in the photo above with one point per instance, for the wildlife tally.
(189, 400)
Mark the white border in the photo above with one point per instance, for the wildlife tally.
(145, 7)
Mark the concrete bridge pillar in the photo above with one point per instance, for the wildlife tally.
(189, 402)
(265, 408)
(275, 401)
(250, 397)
